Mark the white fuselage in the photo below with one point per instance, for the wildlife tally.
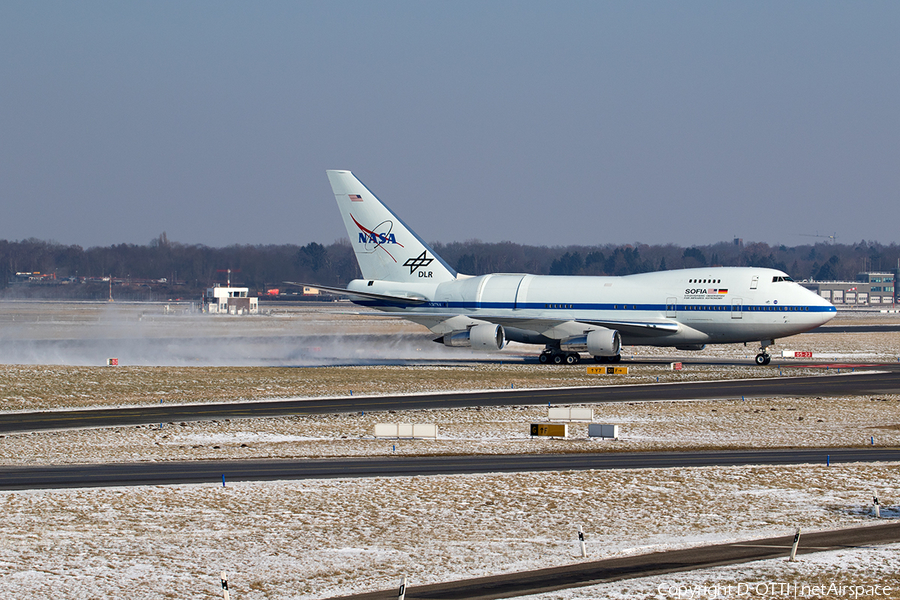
(668, 308)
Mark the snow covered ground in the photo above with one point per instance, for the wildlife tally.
(315, 539)
(715, 424)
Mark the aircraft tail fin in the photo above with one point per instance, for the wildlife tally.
(386, 248)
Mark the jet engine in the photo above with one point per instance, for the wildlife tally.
(600, 342)
(487, 337)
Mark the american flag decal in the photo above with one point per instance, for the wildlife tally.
(355, 198)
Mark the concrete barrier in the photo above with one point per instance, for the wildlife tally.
(570, 414)
(406, 430)
(601, 430)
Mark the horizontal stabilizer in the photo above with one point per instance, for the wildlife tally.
(410, 300)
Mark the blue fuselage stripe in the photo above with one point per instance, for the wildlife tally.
(688, 308)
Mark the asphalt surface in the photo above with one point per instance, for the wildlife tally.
(884, 381)
(212, 471)
(874, 328)
(658, 563)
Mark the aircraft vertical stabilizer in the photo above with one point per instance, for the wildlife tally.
(385, 247)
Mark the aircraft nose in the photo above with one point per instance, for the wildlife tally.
(827, 310)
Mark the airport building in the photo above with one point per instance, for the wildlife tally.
(229, 300)
(871, 289)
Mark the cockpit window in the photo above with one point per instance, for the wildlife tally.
(778, 278)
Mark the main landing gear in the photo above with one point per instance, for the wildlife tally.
(608, 359)
(763, 358)
(558, 357)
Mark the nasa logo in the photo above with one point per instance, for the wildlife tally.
(377, 237)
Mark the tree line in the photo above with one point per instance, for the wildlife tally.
(164, 269)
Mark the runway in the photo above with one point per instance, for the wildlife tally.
(212, 472)
(644, 565)
(884, 381)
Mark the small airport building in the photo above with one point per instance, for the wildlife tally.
(227, 300)
(871, 289)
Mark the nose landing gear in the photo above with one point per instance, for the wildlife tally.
(763, 358)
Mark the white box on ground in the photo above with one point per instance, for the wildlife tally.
(603, 430)
(405, 430)
(570, 414)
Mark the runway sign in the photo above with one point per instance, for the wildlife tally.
(795, 354)
(550, 429)
(607, 370)
(112, 362)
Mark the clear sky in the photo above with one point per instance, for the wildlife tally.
(546, 123)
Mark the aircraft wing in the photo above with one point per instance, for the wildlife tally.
(443, 322)
(639, 328)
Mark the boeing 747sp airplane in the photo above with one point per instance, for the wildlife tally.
(686, 308)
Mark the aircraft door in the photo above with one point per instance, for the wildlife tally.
(671, 307)
(737, 308)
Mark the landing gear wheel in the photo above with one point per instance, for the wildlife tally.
(544, 358)
(762, 359)
(608, 359)
(572, 359)
(557, 359)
